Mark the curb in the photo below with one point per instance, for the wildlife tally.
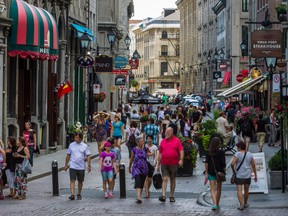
(201, 201)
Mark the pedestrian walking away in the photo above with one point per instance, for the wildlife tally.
(77, 153)
(260, 131)
(242, 165)
(247, 129)
(138, 168)
(152, 154)
(215, 162)
(30, 138)
(107, 169)
(168, 158)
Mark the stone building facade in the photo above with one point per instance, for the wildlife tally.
(30, 71)
(158, 43)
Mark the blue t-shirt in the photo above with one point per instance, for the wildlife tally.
(117, 128)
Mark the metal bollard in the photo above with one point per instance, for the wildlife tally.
(122, 181)
(55, 183)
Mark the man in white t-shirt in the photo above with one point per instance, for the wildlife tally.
(77, 153)
(222, 123)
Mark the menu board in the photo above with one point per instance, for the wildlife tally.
(261, 186)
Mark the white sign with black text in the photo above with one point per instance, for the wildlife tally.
(261, 186)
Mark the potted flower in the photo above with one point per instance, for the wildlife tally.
(99, 97)
(275, 167)
(203, 135)
(281, 12)
(190, 157)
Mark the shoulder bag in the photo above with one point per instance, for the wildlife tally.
(26, 166)
(233, 178)
(220, 176)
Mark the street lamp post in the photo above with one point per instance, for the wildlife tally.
(270, 64)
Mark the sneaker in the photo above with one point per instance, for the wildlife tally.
(214, 207)
(241, 208)
(246, 205)
(106, 195)
(110, 195)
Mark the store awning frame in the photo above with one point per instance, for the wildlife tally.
(237, 89)
(81, 30)
(34, 32)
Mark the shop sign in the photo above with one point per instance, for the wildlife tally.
(85, 61)
(120, 80)
(223, 66)
(216, 75)
(103, 63)
(120, 62)
(266, 43)
(134, 63)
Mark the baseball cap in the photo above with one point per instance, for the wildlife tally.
(107, 144)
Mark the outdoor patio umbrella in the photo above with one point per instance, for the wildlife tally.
(146, 99)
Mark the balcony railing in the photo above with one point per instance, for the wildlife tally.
(169, 54)
(170, 36)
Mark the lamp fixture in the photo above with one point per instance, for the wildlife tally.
(85, 42)
(111, 38)
(127, 41)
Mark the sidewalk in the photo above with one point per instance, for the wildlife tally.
(274, 198)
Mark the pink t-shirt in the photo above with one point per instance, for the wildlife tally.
(170, 151)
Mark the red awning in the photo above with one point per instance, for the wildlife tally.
(34, 32)
(227, 77)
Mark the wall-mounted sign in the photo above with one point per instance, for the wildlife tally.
(120, 80)
(266, 43)
(120, 71)
(276, 83)
(85, 61)
(113, 88)
(223, 66)
(96, 88)
(134, 63)
(120, 62)
(103, 63)
(216, 75)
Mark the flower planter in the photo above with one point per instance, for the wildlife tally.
(186, 170)
(276, 179)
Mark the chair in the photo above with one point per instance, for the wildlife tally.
(230, 146)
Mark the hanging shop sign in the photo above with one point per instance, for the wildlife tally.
(134, 63)
(120, 80)
(216, 75)
(120, 62)
(85, 61)
(103, 63)
(255, 73)
(240, 77)
(223, 66)
(266, 43)
(96, 88)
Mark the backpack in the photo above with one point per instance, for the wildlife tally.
(132, 138)
(246, 127)
(174, 126)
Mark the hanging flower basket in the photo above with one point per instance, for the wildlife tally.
(99, 97)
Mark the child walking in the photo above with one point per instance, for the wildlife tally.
(117, 154)
(107, 163)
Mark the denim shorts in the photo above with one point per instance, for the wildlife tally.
(107, 175)
(117, 137)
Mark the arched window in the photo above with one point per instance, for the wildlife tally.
(164, 34)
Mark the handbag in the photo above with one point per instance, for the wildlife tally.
(26, 166)
(157, 181)
(220, 176)
(233, 177)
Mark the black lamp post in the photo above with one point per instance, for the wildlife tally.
(127, 41)
(270, 64)
(111, 39)
(85, 43)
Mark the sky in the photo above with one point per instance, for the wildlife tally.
(151, 8)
